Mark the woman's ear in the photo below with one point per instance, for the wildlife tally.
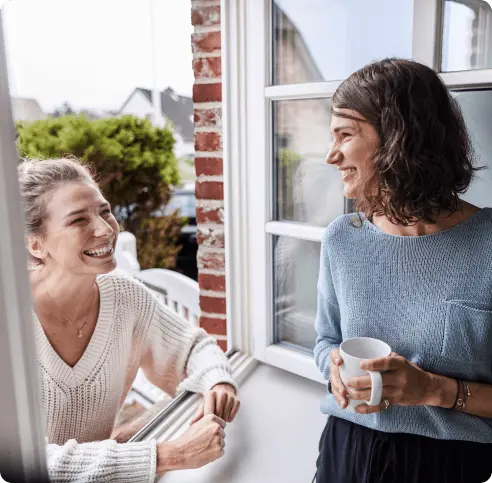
(35, 247)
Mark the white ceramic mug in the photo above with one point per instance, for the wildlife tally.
(353, 352)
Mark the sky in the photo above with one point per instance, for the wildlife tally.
(93, 53)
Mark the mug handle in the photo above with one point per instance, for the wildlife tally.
(376, 388)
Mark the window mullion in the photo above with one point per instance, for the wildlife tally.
(310, 90)
(295, 230)
(427, 28)
(467, 79)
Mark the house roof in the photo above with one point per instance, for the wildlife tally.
(25, 109)
(178, 109)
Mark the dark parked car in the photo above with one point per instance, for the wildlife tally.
(183, 199)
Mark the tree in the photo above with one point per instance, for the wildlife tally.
(136, 168)
(64, 110)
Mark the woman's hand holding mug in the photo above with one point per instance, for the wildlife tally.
(366, 377)
(346, 364)
(404, 383)
(337, 387)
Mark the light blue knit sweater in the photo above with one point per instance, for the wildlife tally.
(429, 297)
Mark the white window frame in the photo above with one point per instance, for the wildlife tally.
(249, 120)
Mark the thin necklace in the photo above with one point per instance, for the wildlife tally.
(79, 331)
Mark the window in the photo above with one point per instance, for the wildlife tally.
(307, 190)
(323, 40)
(467, 35)
(295, 273)
(477, 111)
(292, 194)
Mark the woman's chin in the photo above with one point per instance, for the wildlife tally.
(102, 268)
(108, 267)
(349, 192)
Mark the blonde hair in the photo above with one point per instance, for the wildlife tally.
(37, 179)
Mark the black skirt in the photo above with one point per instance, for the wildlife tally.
(350, 453)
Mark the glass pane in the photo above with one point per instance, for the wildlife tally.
(467, 30)
(477, 110)
(296, 267)
(94, 59)
(307, 189)
(323, 40)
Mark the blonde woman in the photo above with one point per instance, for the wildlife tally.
(95, 327)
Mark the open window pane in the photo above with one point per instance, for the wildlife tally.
(96, 78)
(307, 189)
(296, 267)
(467, 35)
(325, 40)
(477, 110)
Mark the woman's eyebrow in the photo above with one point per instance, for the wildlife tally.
(84, 210)
(76, 212)
(341, 128)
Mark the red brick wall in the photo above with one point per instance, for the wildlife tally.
(207, 99)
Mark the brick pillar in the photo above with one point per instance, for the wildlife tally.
(207, 99)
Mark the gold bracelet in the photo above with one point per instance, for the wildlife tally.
(461, 401)
(466, 395)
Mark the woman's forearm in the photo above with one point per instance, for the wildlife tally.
(444, 395)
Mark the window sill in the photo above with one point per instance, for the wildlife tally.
(274, 437)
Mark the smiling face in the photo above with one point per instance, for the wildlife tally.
(354, 145)
(79, 233)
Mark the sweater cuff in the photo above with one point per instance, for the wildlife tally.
(136, 460)
(218, 375)
(102, 461)
(153, 460)
(204, 381)
(322, 357)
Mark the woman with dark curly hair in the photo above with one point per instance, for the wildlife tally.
(413, 267)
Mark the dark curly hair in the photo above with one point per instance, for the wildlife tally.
(425, 159)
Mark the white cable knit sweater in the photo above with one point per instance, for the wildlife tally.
(80, 404)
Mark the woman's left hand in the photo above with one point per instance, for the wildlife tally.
(221, 400)
(404, 383)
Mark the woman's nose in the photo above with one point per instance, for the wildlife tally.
(102, 228)
(333, 155)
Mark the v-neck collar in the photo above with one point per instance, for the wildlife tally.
(76, 375)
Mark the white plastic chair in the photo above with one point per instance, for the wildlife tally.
(126, 252)
(177, 291)
(180, 293)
